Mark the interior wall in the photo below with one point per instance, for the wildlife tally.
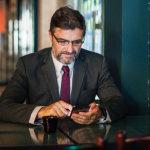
(113, 38)
(46, 9)
(135, 56)
(127, 51)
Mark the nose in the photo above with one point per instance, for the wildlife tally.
(69, 47)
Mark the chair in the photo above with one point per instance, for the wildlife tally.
(101, 142)
(137, 142)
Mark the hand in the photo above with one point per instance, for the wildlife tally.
(57, 109)
(87, 117)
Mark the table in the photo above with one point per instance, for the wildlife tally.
(70, 133)
(134, 126)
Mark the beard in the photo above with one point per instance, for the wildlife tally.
(67, 60)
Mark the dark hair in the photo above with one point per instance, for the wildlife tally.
(67, 18)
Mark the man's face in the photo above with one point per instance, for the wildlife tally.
(66, 54)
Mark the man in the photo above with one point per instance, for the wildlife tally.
(50, 90)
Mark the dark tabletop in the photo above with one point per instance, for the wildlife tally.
(69, 132)
(133, 125)
(12, 134)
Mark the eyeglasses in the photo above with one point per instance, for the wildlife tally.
(65, 42)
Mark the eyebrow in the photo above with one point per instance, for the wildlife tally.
(68, 40)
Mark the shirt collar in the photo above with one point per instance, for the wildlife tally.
(58, 66)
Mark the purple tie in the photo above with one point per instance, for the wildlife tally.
(65, 85)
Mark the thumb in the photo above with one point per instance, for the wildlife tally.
(92, 106)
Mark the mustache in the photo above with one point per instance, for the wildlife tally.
(65, 52)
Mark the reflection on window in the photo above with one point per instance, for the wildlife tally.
(87, 8)
(16, 34)
(16, 39)
(3, 53)
(26, 30)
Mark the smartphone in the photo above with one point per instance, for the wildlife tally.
(77, 109)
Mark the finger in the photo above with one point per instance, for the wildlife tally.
(78, 120)
(85, 113)
(69, 113)
(61, 111)
(79, 117)
(93, 111)
(89, 116)
(85, 120)
(81, 120)
(92, 106)
(53, 112)
(86, 117)
(66, 105)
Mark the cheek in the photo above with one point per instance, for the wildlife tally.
(57, 48)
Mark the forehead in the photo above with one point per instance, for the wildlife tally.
(69, 34)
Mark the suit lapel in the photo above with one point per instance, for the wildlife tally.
(50, 76)
(78, 77)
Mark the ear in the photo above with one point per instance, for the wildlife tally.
(50, 35)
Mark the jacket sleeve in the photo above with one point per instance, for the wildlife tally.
(11, 101)
(110, 96)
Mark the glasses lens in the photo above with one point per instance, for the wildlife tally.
(76, 43)
(63, 43)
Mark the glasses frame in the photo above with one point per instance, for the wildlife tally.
(66, 41)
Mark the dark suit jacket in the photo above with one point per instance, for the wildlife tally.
(35, 80)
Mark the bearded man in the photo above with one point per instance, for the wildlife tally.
(65, 75)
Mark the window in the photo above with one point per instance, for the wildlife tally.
(93, 11)
(17, 30)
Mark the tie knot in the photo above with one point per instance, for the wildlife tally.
(65, 68)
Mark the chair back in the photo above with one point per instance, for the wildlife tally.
(137, 142)
(101, 142)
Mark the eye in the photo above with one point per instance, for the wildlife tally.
(63, 42)
(77, 42)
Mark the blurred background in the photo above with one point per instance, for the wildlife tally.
(117, 29)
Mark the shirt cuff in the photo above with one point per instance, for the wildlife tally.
(106, 120)
(32, 119)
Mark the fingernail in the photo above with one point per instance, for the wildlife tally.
(66, 113)
(69, 113)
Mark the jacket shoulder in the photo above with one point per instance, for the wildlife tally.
(33, 59)
(40, 53)
(90, 56)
